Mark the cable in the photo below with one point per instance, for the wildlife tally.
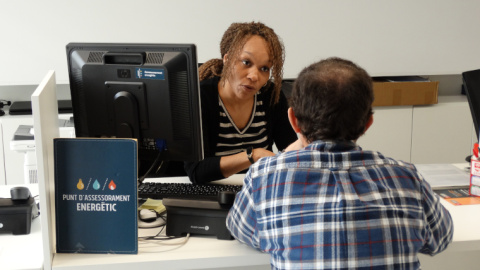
(158, 241)
(159, 237)
(142, 178)
(160, 221)
(4, 102)
(161, 146)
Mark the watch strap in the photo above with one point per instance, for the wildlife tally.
(250, 154)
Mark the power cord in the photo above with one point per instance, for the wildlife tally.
(154, 164)
(159, 240)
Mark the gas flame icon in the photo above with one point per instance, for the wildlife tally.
(112, 185)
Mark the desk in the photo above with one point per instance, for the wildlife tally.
(200, 252)
(206, 252)
(463, 252)
(22, 251)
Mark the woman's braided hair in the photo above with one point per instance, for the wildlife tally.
(232, 43)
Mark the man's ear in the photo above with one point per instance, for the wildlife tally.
(369, 123)
(293, 120)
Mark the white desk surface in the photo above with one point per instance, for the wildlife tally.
(463, 252)
(206, 252)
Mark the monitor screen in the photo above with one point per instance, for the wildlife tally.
(145, 91)
(471, 84)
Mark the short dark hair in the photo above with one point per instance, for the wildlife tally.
(332, 100)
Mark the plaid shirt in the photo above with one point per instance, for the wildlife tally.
(334, 206)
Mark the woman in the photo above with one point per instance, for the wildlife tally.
(244, 111)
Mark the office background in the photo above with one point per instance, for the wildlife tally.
(435, 38)
(386, 37)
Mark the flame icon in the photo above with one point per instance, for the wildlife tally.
(96, 185)
(80, 184)
(112, 185)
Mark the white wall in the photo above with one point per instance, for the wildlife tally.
(386, 37)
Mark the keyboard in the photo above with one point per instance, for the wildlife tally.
(183, 190)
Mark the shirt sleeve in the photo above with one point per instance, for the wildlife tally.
(439, 224)
(242, 218)
(204, 171)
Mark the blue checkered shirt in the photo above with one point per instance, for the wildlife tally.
(332, 205)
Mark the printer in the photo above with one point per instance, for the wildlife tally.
(23, 141)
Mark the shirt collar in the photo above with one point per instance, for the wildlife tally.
(333, 146)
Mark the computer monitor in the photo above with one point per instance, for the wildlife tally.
(471, 84)
(145, 91)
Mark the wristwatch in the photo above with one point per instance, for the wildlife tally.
(250, 154)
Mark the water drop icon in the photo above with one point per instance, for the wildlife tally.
(96, 185)
(80, 184)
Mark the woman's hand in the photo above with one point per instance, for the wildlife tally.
(232, 164)
(259, 153)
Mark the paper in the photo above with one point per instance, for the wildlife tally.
(458, 196)
(152, 204)
(444, 175)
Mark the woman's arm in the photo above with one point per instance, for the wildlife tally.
(233, 164)
(207, 169)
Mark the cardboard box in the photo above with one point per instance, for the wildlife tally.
(402, 91)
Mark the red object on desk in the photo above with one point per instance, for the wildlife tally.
(475, 150)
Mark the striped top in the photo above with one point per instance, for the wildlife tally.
(232, 140)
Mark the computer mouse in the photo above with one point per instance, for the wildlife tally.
(19, 193)
(147, 215)
(226, 197)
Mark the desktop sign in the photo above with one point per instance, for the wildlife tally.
(96, 195)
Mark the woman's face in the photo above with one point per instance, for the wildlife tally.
(251, 69)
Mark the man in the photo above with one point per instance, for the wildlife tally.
(327, 204)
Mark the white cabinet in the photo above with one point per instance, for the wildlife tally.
(390, 133)
(442, 132)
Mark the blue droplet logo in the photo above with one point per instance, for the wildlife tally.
(96, 185)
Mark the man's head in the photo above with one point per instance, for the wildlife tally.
(332, 100)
